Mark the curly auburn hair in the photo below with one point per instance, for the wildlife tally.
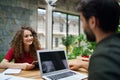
(18, 45)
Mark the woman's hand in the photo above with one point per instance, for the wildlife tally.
(27, 66)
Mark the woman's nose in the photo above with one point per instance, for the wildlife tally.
(29, 37)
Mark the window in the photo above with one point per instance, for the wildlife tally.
(73, 22)
(41, 27)
(61, 27)
(64, 24)
(56, 42)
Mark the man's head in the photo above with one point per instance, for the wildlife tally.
(104, 13)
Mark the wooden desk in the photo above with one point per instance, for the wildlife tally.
(35, 74)
(32, 74)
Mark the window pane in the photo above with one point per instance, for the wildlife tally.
(41, 26)
(73, 22)
(59, 29)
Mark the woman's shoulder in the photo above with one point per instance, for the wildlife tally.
(11, 49)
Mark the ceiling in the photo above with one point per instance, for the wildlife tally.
(64, 5)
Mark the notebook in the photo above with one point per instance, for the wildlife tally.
(54, 66)
(11, 71)
(11, 77)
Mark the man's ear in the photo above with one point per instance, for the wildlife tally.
(93, 21)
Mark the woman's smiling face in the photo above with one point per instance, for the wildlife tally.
(27, 38)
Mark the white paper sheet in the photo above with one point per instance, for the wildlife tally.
(10, 77)
(11, 71)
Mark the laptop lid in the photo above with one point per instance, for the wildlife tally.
(52, 61)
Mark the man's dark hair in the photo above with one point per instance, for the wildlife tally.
(107, 12)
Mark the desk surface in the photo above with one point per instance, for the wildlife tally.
(35, 74)
(32, 74)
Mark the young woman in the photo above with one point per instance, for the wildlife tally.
(23, 50)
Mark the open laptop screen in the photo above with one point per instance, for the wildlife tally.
(53, 61)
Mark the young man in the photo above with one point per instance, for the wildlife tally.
(100, 20)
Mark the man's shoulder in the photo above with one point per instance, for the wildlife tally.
(109, 42)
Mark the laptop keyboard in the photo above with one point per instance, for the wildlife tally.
(62, 75)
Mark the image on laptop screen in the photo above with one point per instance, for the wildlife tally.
(53, 61)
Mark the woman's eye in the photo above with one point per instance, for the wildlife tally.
(31, 35)
(26, 36)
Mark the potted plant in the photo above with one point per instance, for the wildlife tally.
(87, 47)
(68, 42)
(84, 49)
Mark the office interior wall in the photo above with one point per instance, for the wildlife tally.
(14, 14)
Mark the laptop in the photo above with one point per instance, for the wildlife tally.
(54, 66)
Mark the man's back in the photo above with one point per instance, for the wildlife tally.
(105, 62)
